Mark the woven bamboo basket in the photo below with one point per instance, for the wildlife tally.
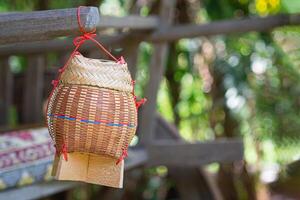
(92, 109)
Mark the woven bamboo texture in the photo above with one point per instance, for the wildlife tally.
(95, 72)
(90, 113)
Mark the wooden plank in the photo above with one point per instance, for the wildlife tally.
(6, 90)
(33, 91)
(259, 24)
(129, 22)
(57, 45)
(37, 191)
(194, 154)
(158, 61)
(42, 25)
(192, 182)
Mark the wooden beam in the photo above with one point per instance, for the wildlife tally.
(39, 190)
(200, 187)
(42, 25)
(259, 24)
(194, 154)
(131, 53)
(165, 130)
(6, 90)
(129, 22)
(157, 68)
(57, 45)
(33, 90)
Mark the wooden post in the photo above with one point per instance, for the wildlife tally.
(6, 90)
(191, 183)
(158, 62)
(131, 47)
(33, 91)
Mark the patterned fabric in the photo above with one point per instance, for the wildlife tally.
(25, 157)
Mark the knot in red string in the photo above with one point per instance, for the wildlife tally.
(54, 83)
(78, 41)
(121, 60)
(140, 102)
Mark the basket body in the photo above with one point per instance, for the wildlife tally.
(92, 109)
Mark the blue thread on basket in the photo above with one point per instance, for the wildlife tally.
(90, 121)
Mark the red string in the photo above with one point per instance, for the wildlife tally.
(87, 35)
(141, 101)
(137, 105)
(123, 156)
(65, 152)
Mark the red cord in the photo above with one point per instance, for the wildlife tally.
(123, 156)
(141, 101)
(87, 35)
(65, 152)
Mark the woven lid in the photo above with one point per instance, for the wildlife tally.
(97, 72)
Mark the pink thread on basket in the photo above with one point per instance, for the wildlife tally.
(123, 156)
(141, 101)
(137, 105)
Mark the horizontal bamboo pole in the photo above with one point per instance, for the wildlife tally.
(42, 25)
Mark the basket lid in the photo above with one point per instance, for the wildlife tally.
(97, 72)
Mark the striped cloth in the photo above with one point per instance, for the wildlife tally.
(25, 157)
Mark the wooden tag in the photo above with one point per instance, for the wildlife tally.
(90, 168)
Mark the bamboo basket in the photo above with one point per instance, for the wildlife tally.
(92, 110)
